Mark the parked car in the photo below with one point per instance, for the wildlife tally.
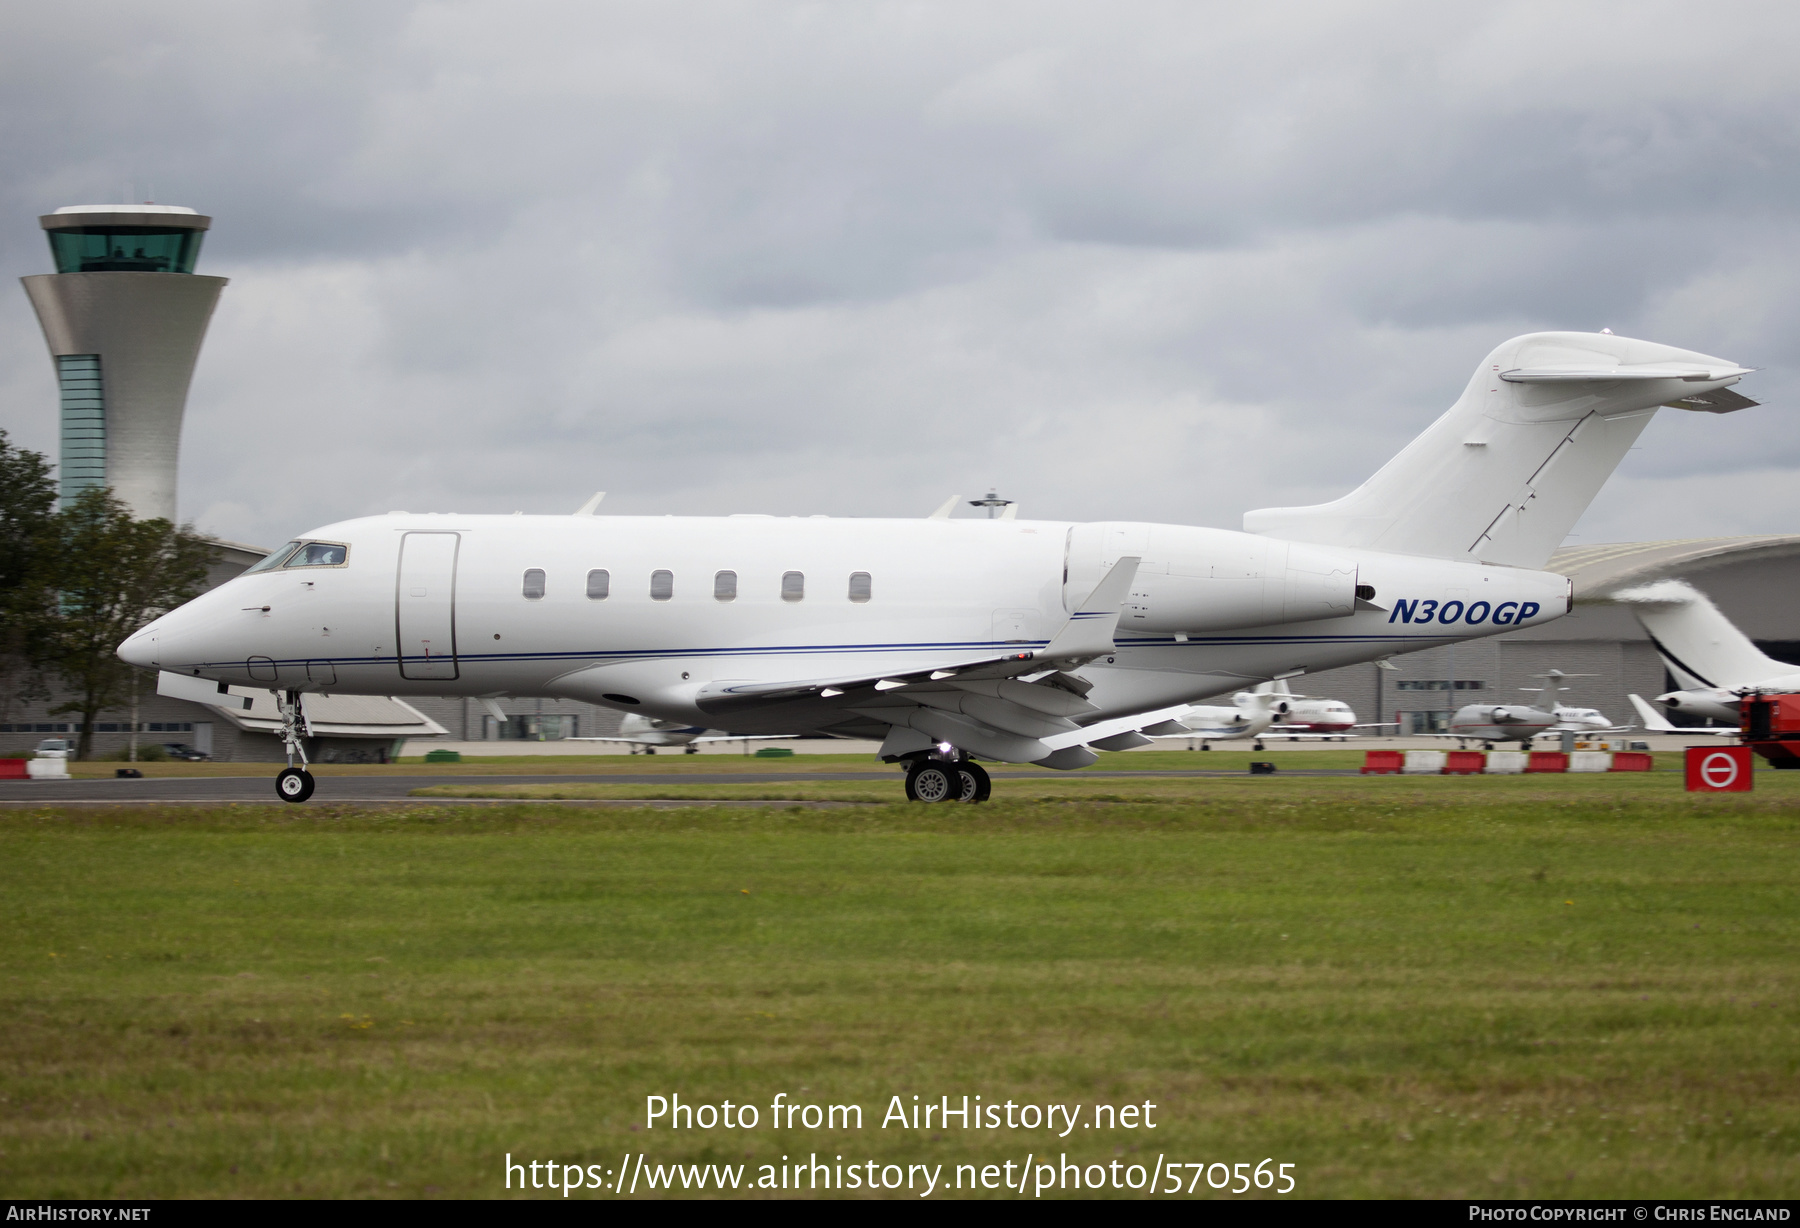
(181, 750)
(55, 748)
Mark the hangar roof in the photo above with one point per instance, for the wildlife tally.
(1601, 570)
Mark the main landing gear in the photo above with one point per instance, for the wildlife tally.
(940, 780)
(293, 784)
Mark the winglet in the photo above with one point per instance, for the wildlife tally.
(944, 510)
(1654, 721)
(1090, 629)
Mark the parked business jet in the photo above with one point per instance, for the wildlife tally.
(1013, 640)
(1307, 718)
(1250, 714)
(1521, 723)
(648, 733)
(1713, 660)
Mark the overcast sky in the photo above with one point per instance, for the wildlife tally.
(1120, 260)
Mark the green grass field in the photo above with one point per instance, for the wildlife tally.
(1545, 987)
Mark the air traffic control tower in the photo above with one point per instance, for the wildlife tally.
(124, 315)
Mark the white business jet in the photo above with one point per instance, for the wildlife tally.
(648, 733)
(1012, 640)
(1715, 662)
(1307, 718)
(1250, 714)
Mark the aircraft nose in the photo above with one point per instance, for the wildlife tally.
(141, 648)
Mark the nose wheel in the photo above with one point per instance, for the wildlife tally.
(294, 784)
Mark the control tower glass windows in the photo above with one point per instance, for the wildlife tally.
(125, 249)
(83, 424)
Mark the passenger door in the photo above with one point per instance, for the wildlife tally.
(425, 605)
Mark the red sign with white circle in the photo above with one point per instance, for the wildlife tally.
(1719, 769)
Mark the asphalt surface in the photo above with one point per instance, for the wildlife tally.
(356, 789)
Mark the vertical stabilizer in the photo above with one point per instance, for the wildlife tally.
(1504, 474)
(1700, 646)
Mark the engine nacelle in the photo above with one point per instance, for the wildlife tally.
(1196, 580)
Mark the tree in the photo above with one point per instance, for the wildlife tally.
(104, 576)
(27, 495)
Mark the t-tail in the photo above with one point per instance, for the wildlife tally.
(1701, 647)
(1506, 472)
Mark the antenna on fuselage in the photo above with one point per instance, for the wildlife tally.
(587, 509)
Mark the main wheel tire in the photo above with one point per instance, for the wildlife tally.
(932, 781)
(977, 785)
(690, 750)
(1259, 746)
(294, 785)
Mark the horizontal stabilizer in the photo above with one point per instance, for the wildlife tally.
(1689, 372)
(1718, 401)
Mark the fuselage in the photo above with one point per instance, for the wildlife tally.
(644, 614)
(1319, 716)
(1501, 722)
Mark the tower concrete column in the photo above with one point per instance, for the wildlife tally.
(124, 316)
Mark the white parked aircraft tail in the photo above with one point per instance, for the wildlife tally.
(1503, 476)
(1699, 645)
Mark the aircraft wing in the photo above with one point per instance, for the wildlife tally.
(1017, 707)
(746, 737)
(1087, 634)
(1278, 735)
(1656, 722)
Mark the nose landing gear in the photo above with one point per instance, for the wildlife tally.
(293, 784)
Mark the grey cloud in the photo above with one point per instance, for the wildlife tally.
(1155, 260)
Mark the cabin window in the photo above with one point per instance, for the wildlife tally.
(793, 585)
(861, 586)
(662, 585)
(599, 584)
(534, 584)
(725, 586)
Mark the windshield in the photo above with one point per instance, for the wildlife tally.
(304, 554)
(272, 561)
(319, 554)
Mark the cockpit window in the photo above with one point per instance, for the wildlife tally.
(319, 554)
(273, 560)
